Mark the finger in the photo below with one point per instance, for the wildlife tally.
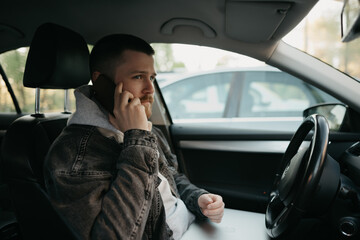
(214, 212)
(120, 87)
(216, 219)
(118, 91)
(204, 200)
(134, 101)
(122, 96)
(215, 216)
(120, 101)
(117, 94)
(217, 202)
(215, 197)
(215, 205)
(125, 98)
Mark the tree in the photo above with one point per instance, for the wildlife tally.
(324, 42)
(13, 63)
(164, 58)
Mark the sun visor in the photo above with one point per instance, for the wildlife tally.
(254, 21)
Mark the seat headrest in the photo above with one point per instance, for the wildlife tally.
(58, 59)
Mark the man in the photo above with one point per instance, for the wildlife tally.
(112, 175)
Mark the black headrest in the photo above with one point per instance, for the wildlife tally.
(58, 59)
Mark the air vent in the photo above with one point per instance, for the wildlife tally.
(355, 149)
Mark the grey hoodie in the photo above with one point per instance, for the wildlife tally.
(90, 112)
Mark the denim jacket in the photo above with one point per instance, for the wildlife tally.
(108, 190)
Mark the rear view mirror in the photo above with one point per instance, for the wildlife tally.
(335, 113)
(350, 20)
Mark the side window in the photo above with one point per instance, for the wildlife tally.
(206, 85)
(13, 63)
(6, 102)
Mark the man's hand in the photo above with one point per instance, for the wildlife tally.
(212, 206)
(128, 112)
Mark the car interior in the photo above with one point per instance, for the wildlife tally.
(275, 184)
(62, 55)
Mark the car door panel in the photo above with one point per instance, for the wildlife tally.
(240, 165)
(242, 183)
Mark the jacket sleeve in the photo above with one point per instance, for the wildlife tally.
(188, 192)
(101, 205)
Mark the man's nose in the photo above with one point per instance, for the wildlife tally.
(149, 86)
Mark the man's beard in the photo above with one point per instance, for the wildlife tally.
(148, 109)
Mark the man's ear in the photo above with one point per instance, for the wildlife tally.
(95, 76)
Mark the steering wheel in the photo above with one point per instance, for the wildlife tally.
(307, 181)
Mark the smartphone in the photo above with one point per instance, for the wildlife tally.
(104, 89)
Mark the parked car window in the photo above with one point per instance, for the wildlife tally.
(13, 63)
(235, 93)
(199, 97)
(277, 94)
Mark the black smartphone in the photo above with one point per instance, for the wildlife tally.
(104, 89)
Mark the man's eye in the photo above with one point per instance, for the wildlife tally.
(138, 77)
(152, 79)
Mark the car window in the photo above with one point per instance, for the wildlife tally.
(234, 89)
(6, 103)
(319, 35)
(13, 63)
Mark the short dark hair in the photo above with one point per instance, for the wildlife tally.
(107, 52)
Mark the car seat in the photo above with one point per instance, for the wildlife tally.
(58, 59)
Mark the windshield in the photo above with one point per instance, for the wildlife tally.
(319, 35)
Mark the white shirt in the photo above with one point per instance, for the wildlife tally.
(178, 217)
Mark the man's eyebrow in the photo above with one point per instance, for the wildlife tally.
(143, 72)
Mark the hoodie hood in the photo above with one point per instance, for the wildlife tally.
(89, 111)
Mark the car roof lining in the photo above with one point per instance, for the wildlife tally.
(147, 19)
